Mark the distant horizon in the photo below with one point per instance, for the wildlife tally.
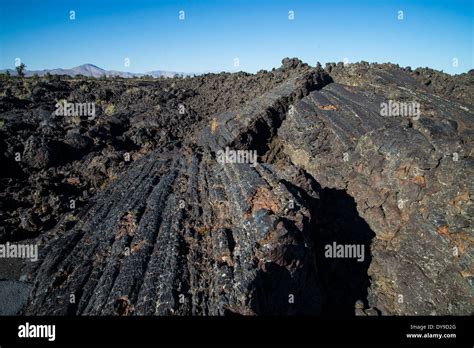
(226, 71)
(95, 65)
(210, 35)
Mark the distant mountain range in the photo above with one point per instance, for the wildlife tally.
(91, 70)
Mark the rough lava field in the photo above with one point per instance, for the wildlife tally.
(134, 215)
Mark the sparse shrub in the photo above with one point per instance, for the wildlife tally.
(84, 87)
(73, 120)
(20, 70)
(52, 78)
(109, 109)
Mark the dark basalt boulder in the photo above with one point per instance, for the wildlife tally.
(40, 152)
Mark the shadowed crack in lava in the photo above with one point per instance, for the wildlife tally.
(345, 280)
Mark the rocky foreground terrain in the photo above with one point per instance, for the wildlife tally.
(134, 215)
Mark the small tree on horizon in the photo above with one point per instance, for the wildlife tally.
(20, 70)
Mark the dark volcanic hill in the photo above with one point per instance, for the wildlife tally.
(135, 214)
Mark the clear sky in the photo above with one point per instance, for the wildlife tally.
(213, 33)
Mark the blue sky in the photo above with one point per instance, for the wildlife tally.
(259, 33)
